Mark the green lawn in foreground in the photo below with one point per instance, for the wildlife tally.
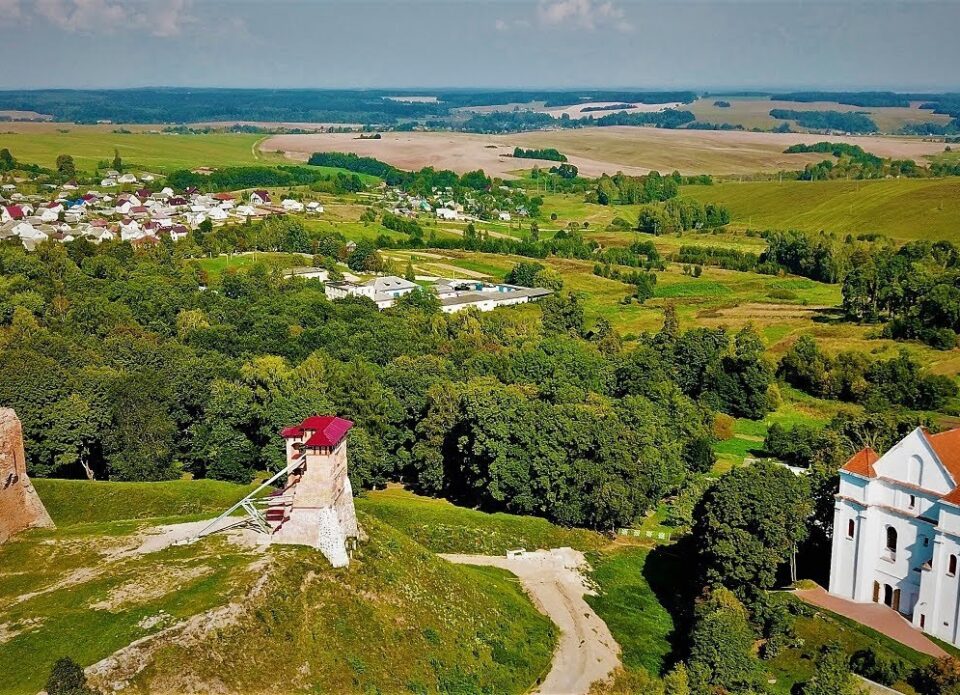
(817, 628)
(402, 619)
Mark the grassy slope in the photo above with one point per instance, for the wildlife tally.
(402, 619)
(816, 629)
(625, 601)
(902, 209)
(444, 528)
(81, 501)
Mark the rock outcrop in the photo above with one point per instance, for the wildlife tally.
(20, 506)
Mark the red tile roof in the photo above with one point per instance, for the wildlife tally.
(947, 447)
(324, 430)
(861, 463)
(15, 212)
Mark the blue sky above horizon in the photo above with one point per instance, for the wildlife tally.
(652, 44)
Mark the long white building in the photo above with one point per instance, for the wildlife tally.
(896, 533)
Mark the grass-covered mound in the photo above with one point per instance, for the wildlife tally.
(85, 501)
(445, 528)
(399, 619)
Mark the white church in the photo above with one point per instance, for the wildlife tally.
(896, 531)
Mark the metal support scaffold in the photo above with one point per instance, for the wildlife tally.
(255, 517)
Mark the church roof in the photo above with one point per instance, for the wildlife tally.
(861, 463)
(947, 447)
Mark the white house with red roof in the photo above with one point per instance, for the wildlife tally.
(259, 197)
(896, 532)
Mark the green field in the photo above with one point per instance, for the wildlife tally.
(155, 152)
(902, 209)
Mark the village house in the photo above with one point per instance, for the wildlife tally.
(291, 205)
(896, 531)
(259, 197)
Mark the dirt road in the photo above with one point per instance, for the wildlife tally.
(587, 652)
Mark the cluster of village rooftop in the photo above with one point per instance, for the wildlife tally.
(142, 217)
(443, 205)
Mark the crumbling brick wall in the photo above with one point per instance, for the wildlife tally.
(20, 506)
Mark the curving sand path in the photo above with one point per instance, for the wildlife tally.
(587, 652)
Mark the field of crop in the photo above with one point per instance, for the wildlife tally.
(709, 151)
(140, 151)
(902, 209)
(754, 112)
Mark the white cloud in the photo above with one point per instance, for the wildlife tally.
(585, 14)
(11, 11)
(508, 24)
(163, 18)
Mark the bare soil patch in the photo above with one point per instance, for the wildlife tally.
(459, 152)
(146, 589)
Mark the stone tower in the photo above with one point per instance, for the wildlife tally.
(20, 506)
(316, 506)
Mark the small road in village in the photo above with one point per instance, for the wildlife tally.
(586, 652)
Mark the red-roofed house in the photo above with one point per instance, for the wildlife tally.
(11, 212)
(896, 531)
(259, 197)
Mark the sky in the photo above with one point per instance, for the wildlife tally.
(649, 44)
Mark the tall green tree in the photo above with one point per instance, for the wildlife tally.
(749, 524)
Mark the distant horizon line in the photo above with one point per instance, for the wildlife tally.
(719, 91)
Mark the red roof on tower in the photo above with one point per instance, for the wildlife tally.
(324, 430)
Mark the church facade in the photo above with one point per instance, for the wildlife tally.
(896, 533)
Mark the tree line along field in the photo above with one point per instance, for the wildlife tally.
(781, 308)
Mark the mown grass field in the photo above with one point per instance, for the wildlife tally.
(902, 209)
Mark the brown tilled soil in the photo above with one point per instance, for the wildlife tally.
(594, 151)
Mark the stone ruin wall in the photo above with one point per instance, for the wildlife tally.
(20, 506)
